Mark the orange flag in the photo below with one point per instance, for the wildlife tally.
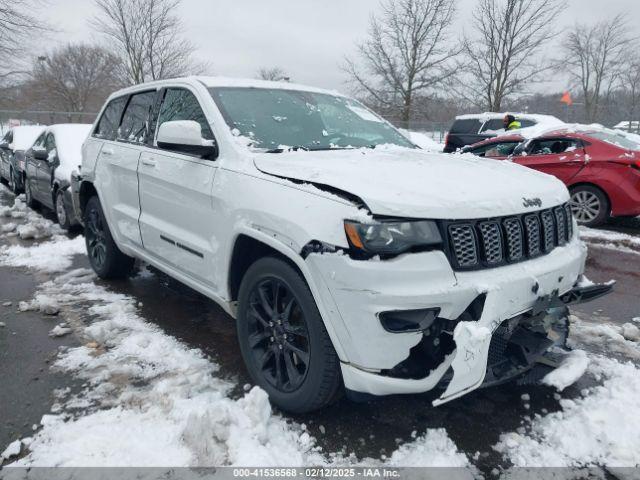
(566, 99)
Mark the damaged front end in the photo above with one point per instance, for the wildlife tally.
(520, 347)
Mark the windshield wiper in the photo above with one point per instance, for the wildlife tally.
(287, 149)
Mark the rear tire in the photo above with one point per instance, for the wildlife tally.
(590, 205)
(104, 255)
(61, 210)
(283, 340)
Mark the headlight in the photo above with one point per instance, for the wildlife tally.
(393, 237)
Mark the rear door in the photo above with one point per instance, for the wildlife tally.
(123, 133)
(177, 219)
(464, 132)
(561, 157)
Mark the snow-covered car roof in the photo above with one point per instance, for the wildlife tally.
(212, 82)
(69, 139)
(538, 118)
(24, 136)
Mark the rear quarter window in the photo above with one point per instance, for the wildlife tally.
(469, 126)
(110, 120)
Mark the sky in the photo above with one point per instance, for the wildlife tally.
(307, 38)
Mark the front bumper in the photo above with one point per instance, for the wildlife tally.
(354, 293)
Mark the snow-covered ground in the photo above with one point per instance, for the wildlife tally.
(151, 400)
(613, 240)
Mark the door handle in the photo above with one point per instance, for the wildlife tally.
(107, 151)
(150, 162)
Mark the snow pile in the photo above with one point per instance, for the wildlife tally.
(600, 428)
(572, 368)
(156, 402)
(152, 401)
(605, 338)
(11, 451)
(434, 449)
(52, 256)
(35, 226)
(423, 140)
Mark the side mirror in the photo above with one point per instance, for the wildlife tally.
(5, 146)
(39, 153)
(185, 136)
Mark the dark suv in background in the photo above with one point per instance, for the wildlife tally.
(473, 128)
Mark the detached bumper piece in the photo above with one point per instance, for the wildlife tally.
(521, 345)
(586, 294)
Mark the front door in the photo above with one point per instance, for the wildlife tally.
(177, 218)
(43, 172)
(558, 156)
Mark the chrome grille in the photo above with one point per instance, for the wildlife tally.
(464, 245)
(569, 214)
(532, 227)
(561, 225)
(489, 243)
(548, 231)
(492, 242)
(513, 231)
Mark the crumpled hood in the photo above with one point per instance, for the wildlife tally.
(404, 182)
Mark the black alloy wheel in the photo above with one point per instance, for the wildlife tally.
(278, 335)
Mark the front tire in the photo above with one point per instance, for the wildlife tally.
(14, 185)
(61, 210)
(104, 255)
(590, 205)
(283, 340)
(28, 193)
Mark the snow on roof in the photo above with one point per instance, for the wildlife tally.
(69, 139)
(483, 117)
(211, 82)
(24, 136)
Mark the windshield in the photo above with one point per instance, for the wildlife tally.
(618, 140)
(277, 119)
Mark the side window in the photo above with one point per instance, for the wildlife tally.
(554, 146)
(110, 119)
(39, 144)
(468, 126)
(527, 123)
(135, 121)
(181, 104)
(50, 142)
(493, 125)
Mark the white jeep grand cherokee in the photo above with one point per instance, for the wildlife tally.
(347, 255)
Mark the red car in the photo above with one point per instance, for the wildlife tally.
(600, 167)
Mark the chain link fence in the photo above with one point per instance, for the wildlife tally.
(12, 118)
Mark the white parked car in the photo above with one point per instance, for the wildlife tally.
(347, 255)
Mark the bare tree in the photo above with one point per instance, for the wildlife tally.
(502, 56)
(18, 24)
(630, 86)
(146, 35)
(595, 56)
(76, 78)
(408, 51)
(275, 74)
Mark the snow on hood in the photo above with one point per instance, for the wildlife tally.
(69, 140)
(25, 136)
(412, 183)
